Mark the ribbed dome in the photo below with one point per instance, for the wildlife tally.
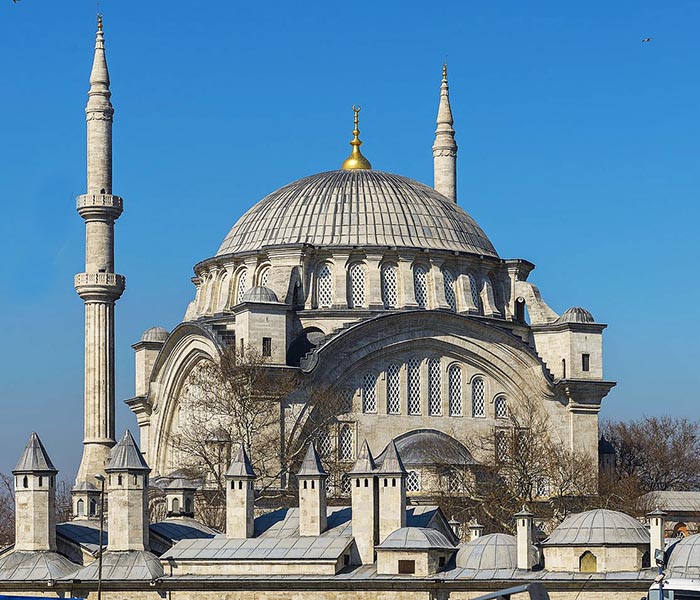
(597, 528)
(576, 314)
(262, 294)
(684, 561)
(154, 334)
(416, 538)
(357, 208)
(493, 551)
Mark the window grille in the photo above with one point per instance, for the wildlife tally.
(449, 280)
(501, 444)
(241, 285)
(324, 443)
(455, 483)
(420, 285)
(345, 485)
(542, 486)
(389, 285)
(267, 346)
(475, 291)
(325, 286)
(264, 276)
(357, 286)
(434, 385)
(501, 407)
(345, 443)
(393, 389)
(478, 404)
(413, 375)
(455, 390)
(413, 482)
(369, 393)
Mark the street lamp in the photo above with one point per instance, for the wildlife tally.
(101, 479)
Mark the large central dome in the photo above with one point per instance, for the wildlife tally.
(357, 208)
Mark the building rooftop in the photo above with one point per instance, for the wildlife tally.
(492, 552)
(35, 566)
(598, 527)
(34, 458)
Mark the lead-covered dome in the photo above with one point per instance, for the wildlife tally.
(599, 527)
(493, 551)
(357, 208)
(684, 560)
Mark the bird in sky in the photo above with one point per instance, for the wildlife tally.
(644, 40)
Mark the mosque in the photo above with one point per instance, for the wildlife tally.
(386, 291)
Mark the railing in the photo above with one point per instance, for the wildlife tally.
(100, 200)
(106, 279)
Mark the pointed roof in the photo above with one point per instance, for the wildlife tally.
(392, 463)
(34, 458)
(126, 456)
(365, 461)
(240, 466)
(311, 465)
(444, 133)
(99, 75)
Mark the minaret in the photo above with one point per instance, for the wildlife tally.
(392, 493)
(240, 497)
(365, 505)
(99, 286)
(312, 494)
(445, 147)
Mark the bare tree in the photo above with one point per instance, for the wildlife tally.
(7, 510)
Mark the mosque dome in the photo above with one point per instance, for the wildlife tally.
(154, 334)
(599, 527)
(260, 293)
(684, 560)
(492, 551)
(358, 207)
(576, 314)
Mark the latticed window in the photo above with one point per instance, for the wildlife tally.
(323, 443)
(325, 286)
(475, 291)
(357, 286)
(501, 407)
(413, 376)
(413, 481)
(449, 279)
(345, 485)
(542, 486)
(434, 387)
(501, 444)
(369, 393)
(393, 389)
(478, 403)
(420, 286)
(455, 482)
(346, 396)
(390, 277)
(345, 443)
(454, 376)
(264, 276)
(241, 287)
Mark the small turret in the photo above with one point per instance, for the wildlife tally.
(179, 497)
(392, 493)
(524, 536)
(657, 532)
(35, 498)
(365, 505)
(312, 494)
(240, 496)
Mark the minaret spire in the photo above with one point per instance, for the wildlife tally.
(99, 286)
(445, 147)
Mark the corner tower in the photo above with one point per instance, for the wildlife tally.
(445, 146)
(99, 286)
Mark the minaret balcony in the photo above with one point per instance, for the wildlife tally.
(99, 206)
(100, 286)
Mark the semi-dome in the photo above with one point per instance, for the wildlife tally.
(262, 294)
(430, 447)
(599, 527)
(154, 334)
(576, 314)
(684, 560)
(492, 551)
(362, 208)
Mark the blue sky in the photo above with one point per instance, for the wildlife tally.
(578, 151)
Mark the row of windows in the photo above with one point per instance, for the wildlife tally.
(40, 481)
(413, 400)
(344, 446)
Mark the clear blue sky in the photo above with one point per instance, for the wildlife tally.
(578, 151)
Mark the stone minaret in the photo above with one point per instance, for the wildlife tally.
(365, 505)
(99, 286)
(445, 147)
(35, 499)
(392, 493)
(127, 476)
(313, 516)
(240, 497)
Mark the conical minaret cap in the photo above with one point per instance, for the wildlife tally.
(240, 465)
(34, 458)
(126, 456)
(311, 466)
(444, 116)
(392, 464)
(99, 75)
(365, 461)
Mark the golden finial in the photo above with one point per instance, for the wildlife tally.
(99, 22)
(356, 160)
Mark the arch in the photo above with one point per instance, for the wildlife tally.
(420, 285)
(390, 277)
(223, 291)
(680, 530)
(413, 481)
(475, 292)
(449, 280)
(345, 442)
(357, 297)
(176, 505)
(241, 284)
(80, 507)
(302, 344)
(208, 294)
(500, 407)
(413, 386)
(25, 482)
(324, 286)
(434, 387)
(587, 562)
(393, 389)
(454, 384)
(478, 396)
(263, 276)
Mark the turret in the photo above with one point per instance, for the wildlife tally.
(312, 494)
(35, 498)
(365, 505)
(392, 493)
(240, 496)
(657, 532)
(445, 147)
(179, 497)
(127, 476)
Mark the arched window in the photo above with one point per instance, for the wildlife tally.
(588, 563)
(176, 505)
(475, 292)
(324, 443)
(188, 506)
(25, 482)
(369, 393)
(241, 285)
(500, 406)
(345, 443)
(390, 277)
(413, 481)
(356, 286)
(324, 294)
(420, 286)
(222, 302)
(264, 276)
(93, 507)
(449, 280)
(80, 507)
(413, 376)
(434, 388)
(393, 389)
(478, 404)
(454, 377)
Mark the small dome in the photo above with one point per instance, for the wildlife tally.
(492, 551)
(416, 538)
(154, 334)
(576, 314)
(684, 560)
(599, 527)
(429, 447)
(260, 293)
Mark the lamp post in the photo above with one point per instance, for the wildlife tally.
(101, 479)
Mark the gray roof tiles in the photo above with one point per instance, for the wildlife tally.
(240, 466)
(133, 565)
(598, 527)
(34, 458)
(126, 456)
(35, 566)
(365, 461)
(391, 460)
